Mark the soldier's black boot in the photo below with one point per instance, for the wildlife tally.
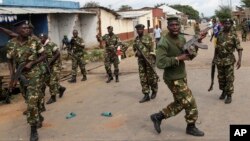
(223, 95)
(228, 99)
(84, 78)
(156, 119)
(116, 78)
(40, 123)
(73, 79)
(33, 134)
(145, 98)
(110, 78)
(51, 100)
(61, 91)
(193, 130)
(153, 95)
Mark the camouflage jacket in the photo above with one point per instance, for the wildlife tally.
(244, 26)
(111, 42)
(77, 45)
(225, 46)
(145, 44)
(50, 49)
(25, 52)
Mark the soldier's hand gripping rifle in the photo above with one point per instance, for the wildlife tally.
(194, 42)
(75, 57)
(18, 75)
(146, 60)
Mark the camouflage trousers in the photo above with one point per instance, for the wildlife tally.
(226, 78)
(244, 36)
(110, 59)
(183, 99)
(147, 78)
(76, 63)
(33, 95)
(52, 81)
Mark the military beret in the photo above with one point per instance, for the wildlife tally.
(19, 23)
(172, 18)
(139, 26)
(110, 27)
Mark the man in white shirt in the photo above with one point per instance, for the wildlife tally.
(157, 34)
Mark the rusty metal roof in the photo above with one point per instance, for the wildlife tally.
(27, 10)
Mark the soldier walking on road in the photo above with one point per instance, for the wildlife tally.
(112, 42)
(28, 51)
(170, 57)
(227, 42)
(244, 30)
(148, 79)
(54, 65)
(77, 55)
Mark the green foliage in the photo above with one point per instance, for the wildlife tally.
(94, 55)
(246, 3)
(91, 4)
(188, 10)
(223, 13)
(125, 8)
(160, 4)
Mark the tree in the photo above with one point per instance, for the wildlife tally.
(246, 3)
(91, 4)
(223, 13)
(159, 4)
(125, 8)
(188, 10)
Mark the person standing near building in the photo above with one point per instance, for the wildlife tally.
(26, 50)
(157, 35)
(170, 57)
(227, 43)
(244, 30)
(216, 29)
(112, 42)
(53, 63)
(77, 55)
(148, 79)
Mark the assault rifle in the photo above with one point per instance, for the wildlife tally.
(75, 57)
(146, 60)
(188, 47)
(18, 75)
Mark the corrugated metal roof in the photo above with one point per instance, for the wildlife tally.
(25, 10)
(133, 14)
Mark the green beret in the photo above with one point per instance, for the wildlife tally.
(172, 18)
(19, 23)
(139, 26)
(110, 27)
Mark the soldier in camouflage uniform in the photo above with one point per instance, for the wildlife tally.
(54, 65)
(170, 57)
(26, 49)
(227, 42)
(148, 79)
(196, 28)
(77, 54)
(244, 30)
(112, 41)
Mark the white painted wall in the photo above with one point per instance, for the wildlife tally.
(120, 25)
(89, 29)
(53, 28)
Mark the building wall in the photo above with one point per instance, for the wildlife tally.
(89, 29)
(53, 31)
(122, 27)
(43, 3)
